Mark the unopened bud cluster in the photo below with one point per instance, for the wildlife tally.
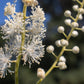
(40, 73)
(62, 63)
(74, 25)
(61, 43)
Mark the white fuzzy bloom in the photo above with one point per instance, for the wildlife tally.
(15, 44)
(60, 29)
(75, 7)
(33, 50)
(75, 50)
(58, 43)
(74, 33)
(4, 62)
(30, 2)
(81, 10)
(62, 59)
(74, 25)
(67, 13)
(67, 21)
(62, 65)
(50, 49)
(82, 29)
(34, 33)
(64, 42)
(9, 9)
(13, 26)
(39, 13)
(80, 17)
(40, 73)
(37, 18)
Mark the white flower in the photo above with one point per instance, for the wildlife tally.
(36, 26)
(38, 14)
(15, 44)
(4, 62)
(34, 33)
(13, 26)
(33, 50)
(40, 73)
(9, 9)
(50, 49)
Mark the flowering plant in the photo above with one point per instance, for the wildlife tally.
(24, 36)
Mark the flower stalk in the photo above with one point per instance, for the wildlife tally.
(54, 65)
(21, 48)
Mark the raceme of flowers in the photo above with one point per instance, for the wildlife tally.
(72, 22)
(33, 49)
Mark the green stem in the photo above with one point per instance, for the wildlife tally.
(64, 34)
(21, 48)
(51, 68)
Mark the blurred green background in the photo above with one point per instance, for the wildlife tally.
(74, 74)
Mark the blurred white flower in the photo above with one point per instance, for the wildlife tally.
(33, 51)
(34, 34)
(13, 26)
(5, 57)
(9, 9)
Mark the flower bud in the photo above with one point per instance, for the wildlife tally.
(82, 29)
(62, 59)
(74, 25)
(74, 33)
(67, 21)
(58, 43)
(62, 65)
(50, 49)
(60, 29)
(75, 7)
(80, 17)
(64, 42)
(75, 50)
(67, 13)
(40, 73)
(81, 10)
